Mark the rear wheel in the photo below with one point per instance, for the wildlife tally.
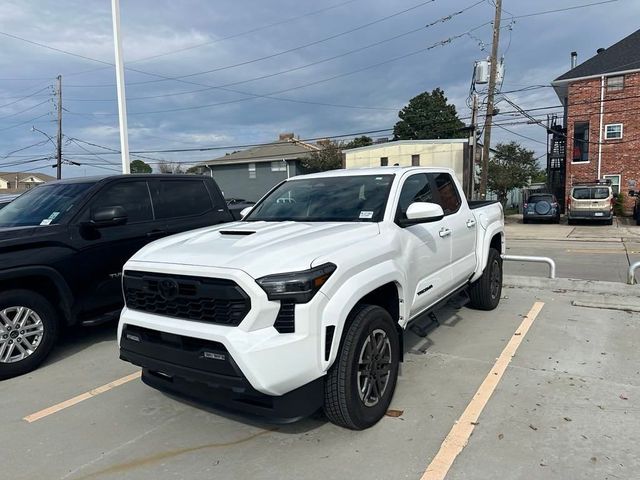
(610, 221)
(360, 384)
(525, 220)
(28, 331)
(485, 292)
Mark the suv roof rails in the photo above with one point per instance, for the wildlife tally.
(606, 182)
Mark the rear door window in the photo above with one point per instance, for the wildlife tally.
(448, 199)
(132, 196)
(181, 198)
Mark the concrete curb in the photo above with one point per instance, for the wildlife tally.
(574, 285)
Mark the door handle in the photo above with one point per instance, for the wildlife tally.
(444, 232)
(471, 223)
(156, 233)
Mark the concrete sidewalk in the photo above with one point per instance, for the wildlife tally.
(620, 231)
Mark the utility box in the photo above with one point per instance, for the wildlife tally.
(482, 68)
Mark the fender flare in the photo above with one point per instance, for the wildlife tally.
(486, 245)
(66, 298)
(342, 302)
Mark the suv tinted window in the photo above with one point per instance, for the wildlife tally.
(541, 198)
(448, 193)
(132, 196)
(182, 198)
(416, 188)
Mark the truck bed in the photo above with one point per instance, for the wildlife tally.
(473, 204)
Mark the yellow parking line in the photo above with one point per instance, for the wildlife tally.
(80, 398)
(459, 435)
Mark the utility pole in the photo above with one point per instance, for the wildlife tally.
(474, 144)
(492, 86)
(59, 145)
(122, 102)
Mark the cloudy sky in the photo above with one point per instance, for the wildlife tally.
(234, 72)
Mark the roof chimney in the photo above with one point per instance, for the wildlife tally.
(574, 59)
(286, 136)
(600, 50)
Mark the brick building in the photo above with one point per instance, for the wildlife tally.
(601, 99)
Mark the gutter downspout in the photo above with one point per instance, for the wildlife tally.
(210, 170)
(287, 165)
(601, 119)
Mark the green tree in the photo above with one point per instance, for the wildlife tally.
(512, 166)
(429, 116)
(138, 166)
(328, 157)
(357, 142)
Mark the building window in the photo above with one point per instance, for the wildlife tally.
(415, 160)
(613, 131)
(615, 84)
(615, 182)
(252, 170)
(279, 166)
(384, 161)
(580, 142)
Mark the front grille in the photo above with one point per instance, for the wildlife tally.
(212, 300)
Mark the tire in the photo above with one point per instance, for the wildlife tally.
(571, 221)
(610, 221)
(485, 292)
(638, 219)
(525, 220)
(41, 327)
(345, 403)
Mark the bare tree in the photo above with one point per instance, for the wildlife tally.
(170, 167)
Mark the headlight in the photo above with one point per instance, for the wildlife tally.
(299, 287)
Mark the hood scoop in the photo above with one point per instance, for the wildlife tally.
(239, 233)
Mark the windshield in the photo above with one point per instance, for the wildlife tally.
(590, 193)
(44, 205)
(359, 198)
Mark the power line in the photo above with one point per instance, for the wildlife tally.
(575, 7)
(519, 134)
(26, 121)
(25, 97)
(25, 110)
(298, 68)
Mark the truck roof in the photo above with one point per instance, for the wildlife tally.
(372, 171)
(98, 178)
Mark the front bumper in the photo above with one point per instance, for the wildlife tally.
(205, 371)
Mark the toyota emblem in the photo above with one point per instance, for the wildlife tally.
(168, 289)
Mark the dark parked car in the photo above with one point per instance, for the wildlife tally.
(63, 245)
(236, 205)
(636, 205)
(541, 206)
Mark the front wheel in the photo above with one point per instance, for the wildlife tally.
(28, 331)
(360, 384)
(485, 292)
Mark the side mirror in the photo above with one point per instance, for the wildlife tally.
(108, 216)
(245, 211)
(423, 212)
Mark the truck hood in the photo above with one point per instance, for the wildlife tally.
(257, 248)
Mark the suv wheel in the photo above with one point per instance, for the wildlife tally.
(485, 292)
(360, 384)
(28, 331)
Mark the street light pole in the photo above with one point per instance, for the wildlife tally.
(122, 102)
(59, 146)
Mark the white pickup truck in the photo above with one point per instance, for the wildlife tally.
(303, 303)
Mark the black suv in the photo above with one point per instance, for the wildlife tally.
(63, 245)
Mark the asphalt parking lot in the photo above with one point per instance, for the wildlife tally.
(566, 407)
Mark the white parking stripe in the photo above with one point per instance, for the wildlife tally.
(459, 435)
